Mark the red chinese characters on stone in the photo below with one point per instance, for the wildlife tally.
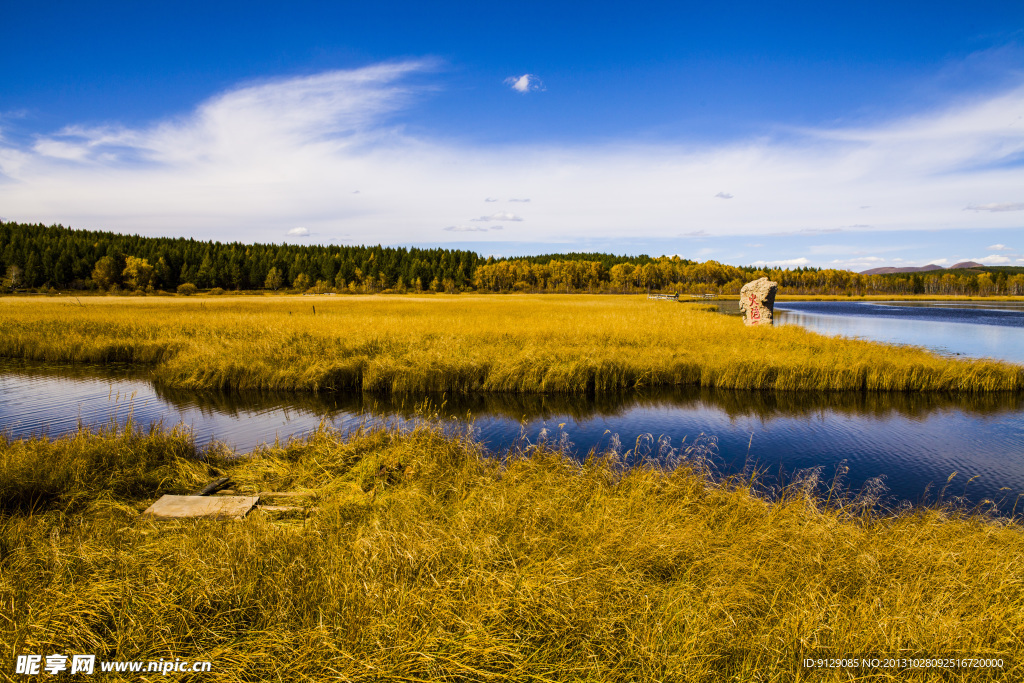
(755, 310)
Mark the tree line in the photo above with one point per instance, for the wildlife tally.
(685, 276)
(38, 257)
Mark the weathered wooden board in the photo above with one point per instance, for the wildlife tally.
(217, 507)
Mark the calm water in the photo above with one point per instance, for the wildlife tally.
(914, 441)
(972, 329)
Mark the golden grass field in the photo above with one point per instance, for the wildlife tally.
(420, 559)
(515, 343)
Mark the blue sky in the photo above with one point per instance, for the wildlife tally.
(796, 133)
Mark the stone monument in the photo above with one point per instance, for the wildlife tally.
(757, 301)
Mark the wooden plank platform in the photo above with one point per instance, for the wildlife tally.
(212, 507)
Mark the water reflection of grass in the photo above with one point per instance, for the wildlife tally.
(764, 405)
(514, 344)
(423, 560)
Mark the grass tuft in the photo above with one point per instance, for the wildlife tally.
(459, 345)
(422, 558)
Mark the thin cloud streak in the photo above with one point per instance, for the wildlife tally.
(252, 162)
(995, 207)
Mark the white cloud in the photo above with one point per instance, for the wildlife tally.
(519, 200)
(252, 162)
(490, 199)
(784, 263)
(995, 207)
(299, 232)
(474, 228)
(499, 216)
(865, 259)
(525, 83)
(999, 247)
(723, 195)
(989, 260)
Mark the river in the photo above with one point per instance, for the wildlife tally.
(914, 442)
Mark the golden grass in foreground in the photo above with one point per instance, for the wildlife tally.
(555, 344)
(461, 568)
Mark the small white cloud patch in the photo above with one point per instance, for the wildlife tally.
(723, 195)
(1000, 247)
(466, 228)
(298, 232)
(499, 216)
(520, 200)
(785, 263)
(525, 83)
(490, 199)
(995, 207)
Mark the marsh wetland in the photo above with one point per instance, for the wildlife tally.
(455, 529)
(912, 440)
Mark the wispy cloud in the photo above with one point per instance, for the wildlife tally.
(999, 247)
(254, 161)
(466, 228)
(988, 259)
(784, 263)
(723, 195)
(490, 199)
(525, 83)
(807, 232)
(520, 200)
(857, 263)
(995, 207)
(499, 216)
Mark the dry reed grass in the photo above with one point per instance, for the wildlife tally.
(530, 344)
(424, 560)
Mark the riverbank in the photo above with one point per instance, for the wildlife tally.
(573, 344)
(419, 558)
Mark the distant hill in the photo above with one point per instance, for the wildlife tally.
(888, 270)
(920, 269)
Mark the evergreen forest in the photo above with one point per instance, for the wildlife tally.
(35, 257)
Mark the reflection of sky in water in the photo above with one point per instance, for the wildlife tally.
(980, 331)
(912, 449)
